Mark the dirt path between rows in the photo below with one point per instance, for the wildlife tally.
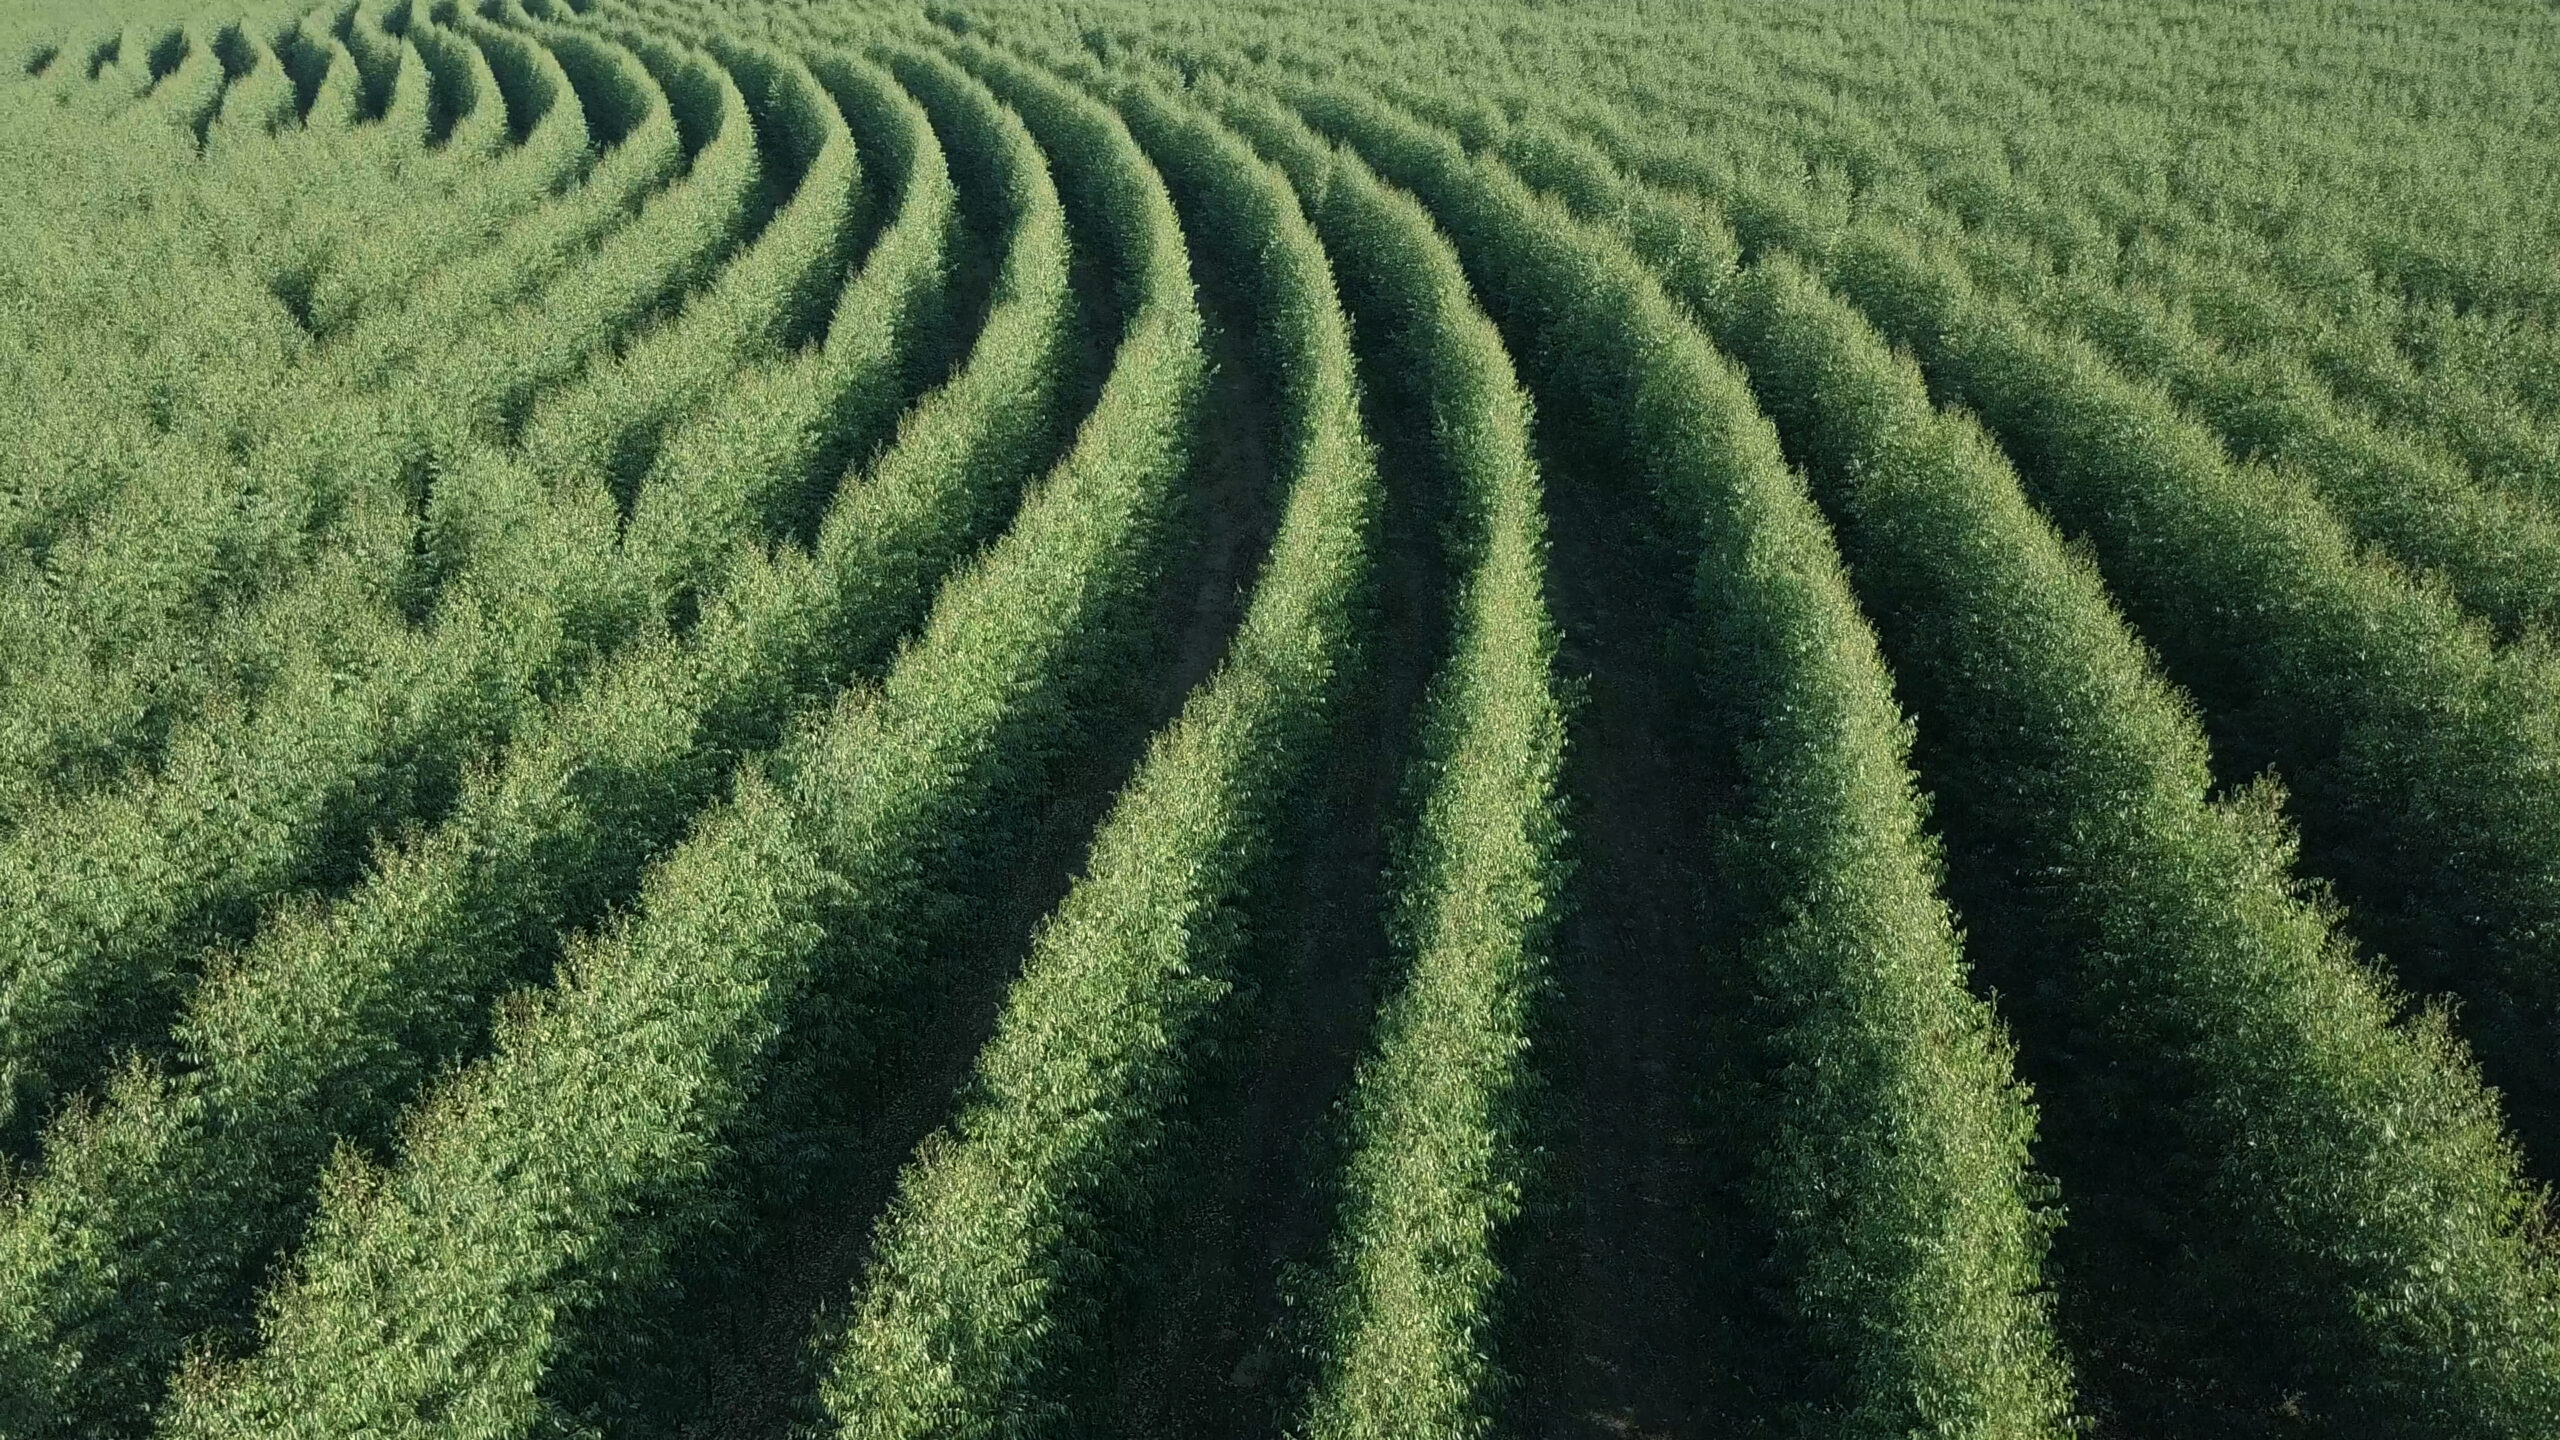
(1622, 1323)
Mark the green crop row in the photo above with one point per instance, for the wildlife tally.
(2301, 306)
(172, 598)
(33, 57)
(544, 1193)
(330, 1021)
(467, 119)
(1916, 1284)
(1797, 117)
(111, 895)
(627, 107)
(2284, 314)
(761, 458)
(2405, 730)
(774, 297)
(163, 519)
(2425, 759)
(2496, 547)
(1438, 1146)
(260, 99)
(336, 93)
(2212, 967)
(371, 35)
(2498, 552)
(99, 76)
(2464, 407)
(187, 96)
(146, 55)
(990, 1274)
(2306, 249)
(524, 730)
(2344, 1178)
(2493, 541)
(396, 70)
(523, 140)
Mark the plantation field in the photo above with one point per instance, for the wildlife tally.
(1414, 718)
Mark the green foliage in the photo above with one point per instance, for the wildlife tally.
(2426, 755)
(111, 896)
(1438, 1133)
(331, 1020)
(997, 1254)
(2498, 553)
(1917, 1279)
(2360, 1204)
(168, 574)
(544, 1192)
(555, 554)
